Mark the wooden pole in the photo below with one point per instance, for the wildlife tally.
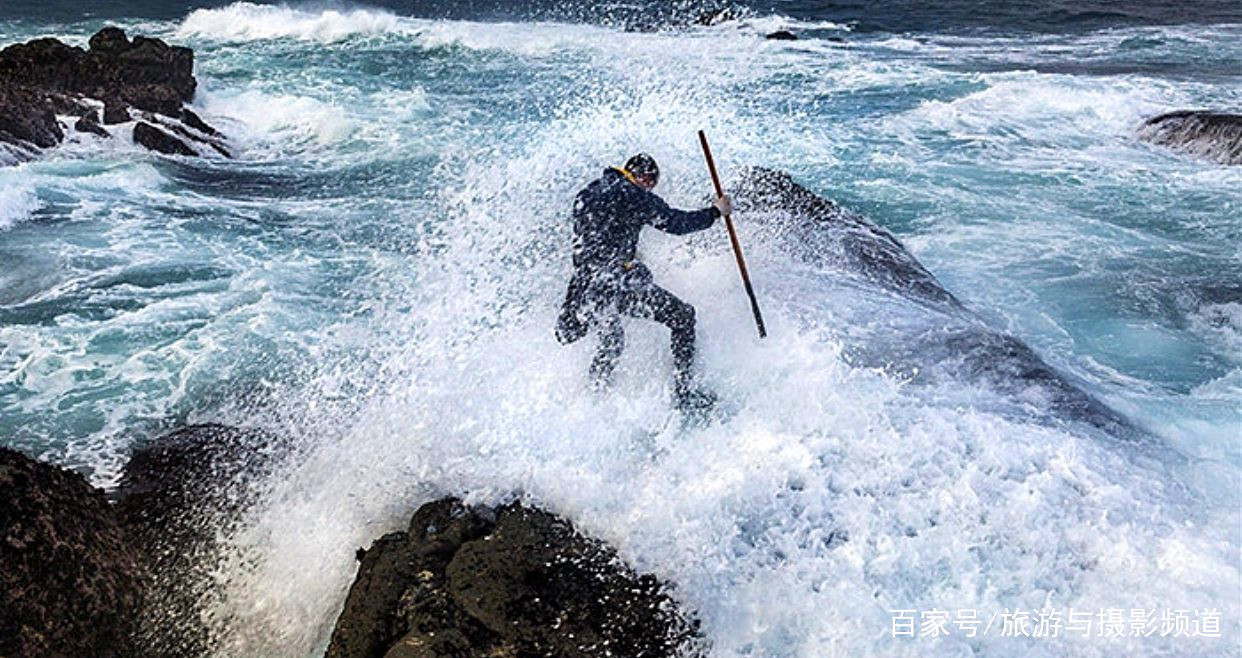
(737, 247)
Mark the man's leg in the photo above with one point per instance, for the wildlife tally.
(611, 343)
(652, 302)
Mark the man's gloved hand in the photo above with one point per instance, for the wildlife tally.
(724, 204)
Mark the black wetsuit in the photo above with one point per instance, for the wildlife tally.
(609, 282)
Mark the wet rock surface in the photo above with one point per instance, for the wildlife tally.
(1215, 136)
(43, 78)
(507, 581)
(178, 496)
(71, 581)
(84, 576)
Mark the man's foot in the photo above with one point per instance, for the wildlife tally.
(695, 401)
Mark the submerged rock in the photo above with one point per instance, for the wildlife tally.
(71, 581)
(45, 77)
(510, 581)
(1214, 136)
(782, 35)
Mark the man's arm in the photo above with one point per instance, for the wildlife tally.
(678, 222)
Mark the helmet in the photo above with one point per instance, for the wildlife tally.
(643, 165)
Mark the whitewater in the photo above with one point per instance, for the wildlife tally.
(377, 276)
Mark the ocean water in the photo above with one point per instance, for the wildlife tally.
(376, 276)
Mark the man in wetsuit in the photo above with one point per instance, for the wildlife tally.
(609, 282)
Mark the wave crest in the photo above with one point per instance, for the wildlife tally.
(246, 21)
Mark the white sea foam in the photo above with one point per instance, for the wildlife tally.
(245, 21)
(279, 121)
(18, 200)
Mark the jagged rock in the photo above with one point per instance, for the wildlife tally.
(158, 140)
(178, 495)
(512, 581)
(110, 40)
(782, 35)
(47, 75)
(1214, 136)
(189, 118)
(27, 117)
(89, 123)
(71, 581)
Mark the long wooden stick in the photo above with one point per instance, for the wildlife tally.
(737, 247)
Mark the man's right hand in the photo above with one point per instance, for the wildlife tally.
(724, 204)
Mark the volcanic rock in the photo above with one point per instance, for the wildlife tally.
(158, 140)
(507, 581)
(71, 581)
(45, 77)
(89, 123)
(782, 35)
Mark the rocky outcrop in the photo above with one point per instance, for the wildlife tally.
(1214, 136)
(146, 77)
(178, 496)
(952, 342)
(72, 580)
(84, 576)
(782, 35)
(815, 228)
(510, 581)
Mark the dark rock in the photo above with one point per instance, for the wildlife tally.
(71, 582)
(812, 229)
(716, 16)
(863, 246)
(158, 140)
(115, 111)
(27, 116)
(89, 123)
(513, 581)
(189, 118)
(1214, 136)
(161, 99)
(178, 495)
(110, 40)
(45, 74)
(783, 35)
(198, 137)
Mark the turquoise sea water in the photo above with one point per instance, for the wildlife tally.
(378, 272)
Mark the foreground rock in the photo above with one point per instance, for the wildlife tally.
(86, 577)
(1211, 135)
(512, 581)
(178, 496)
(83, 576)
(71, 581)
(128, 79)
